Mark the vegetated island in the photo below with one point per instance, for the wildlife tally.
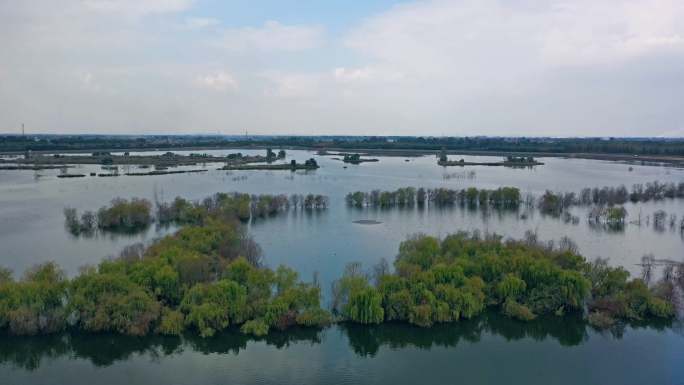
(509, 161)
(168, 159)
(355, 159)
(122, 215)
(210, 277)
(367, 222)
(310, 164)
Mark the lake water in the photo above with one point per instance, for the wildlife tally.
(486, 350)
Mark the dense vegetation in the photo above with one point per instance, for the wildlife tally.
(122, 214)
(356, 159)
(204, 278)
(516, 145)
(160, 162)
(210, 277)
(443, 281)
(606, 200)
(411, 196)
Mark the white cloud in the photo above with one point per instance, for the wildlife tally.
(679, 133)
(273, 36)
(140, 7)
(292, 85)
(199, 23)
(367, 74)
(85, 77)
(87, 83)
(220, 82)
(491, 45)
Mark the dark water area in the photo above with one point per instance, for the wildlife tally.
(489, 349)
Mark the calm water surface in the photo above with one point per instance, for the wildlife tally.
(487, 350)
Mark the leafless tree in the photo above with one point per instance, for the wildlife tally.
(647, 262)
(70, 214)
(377, 271)
(568, 244)
(88, 220)
(659, 218)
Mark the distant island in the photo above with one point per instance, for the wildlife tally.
(529, 161)
(355, 159)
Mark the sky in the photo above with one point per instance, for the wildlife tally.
(310, 67)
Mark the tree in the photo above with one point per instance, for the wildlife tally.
(281, 154)
(615, 214)
(443, 155)
(365, 306)
(269, 153)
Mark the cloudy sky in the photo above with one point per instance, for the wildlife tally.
(435, 67)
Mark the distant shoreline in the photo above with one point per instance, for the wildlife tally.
(395, 152)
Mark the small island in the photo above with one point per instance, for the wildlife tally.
(356, 159)
(509, 161)
(310, 164)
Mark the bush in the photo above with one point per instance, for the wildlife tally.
(515, 310)
(599, 320)
(255, 327)
(171, 322)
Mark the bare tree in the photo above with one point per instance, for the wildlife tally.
(70, 214)
(568, 244)
(647, 263)
(377, 271)
(531, 238)
(659, 218)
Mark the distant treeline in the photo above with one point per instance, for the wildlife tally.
(411, 196)
(607, 200)
(139, 213)
(438, 281)
(555, 145)
(556, 202)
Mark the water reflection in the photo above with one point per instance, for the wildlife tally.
(29, 353)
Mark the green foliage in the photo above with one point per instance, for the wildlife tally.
(33, 305)
(420, 251)
(352, 281)
(6, 275)
(365, 306)
(213, 307)
(599, 320)
(614, 295)
(256, 327)
(512, 309)
(172, 322)
(112, 302)
(314, 317)
(511, 287)
(615, 214)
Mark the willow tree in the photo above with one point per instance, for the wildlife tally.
(365, 306)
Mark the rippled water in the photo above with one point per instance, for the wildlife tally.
(32, 231)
